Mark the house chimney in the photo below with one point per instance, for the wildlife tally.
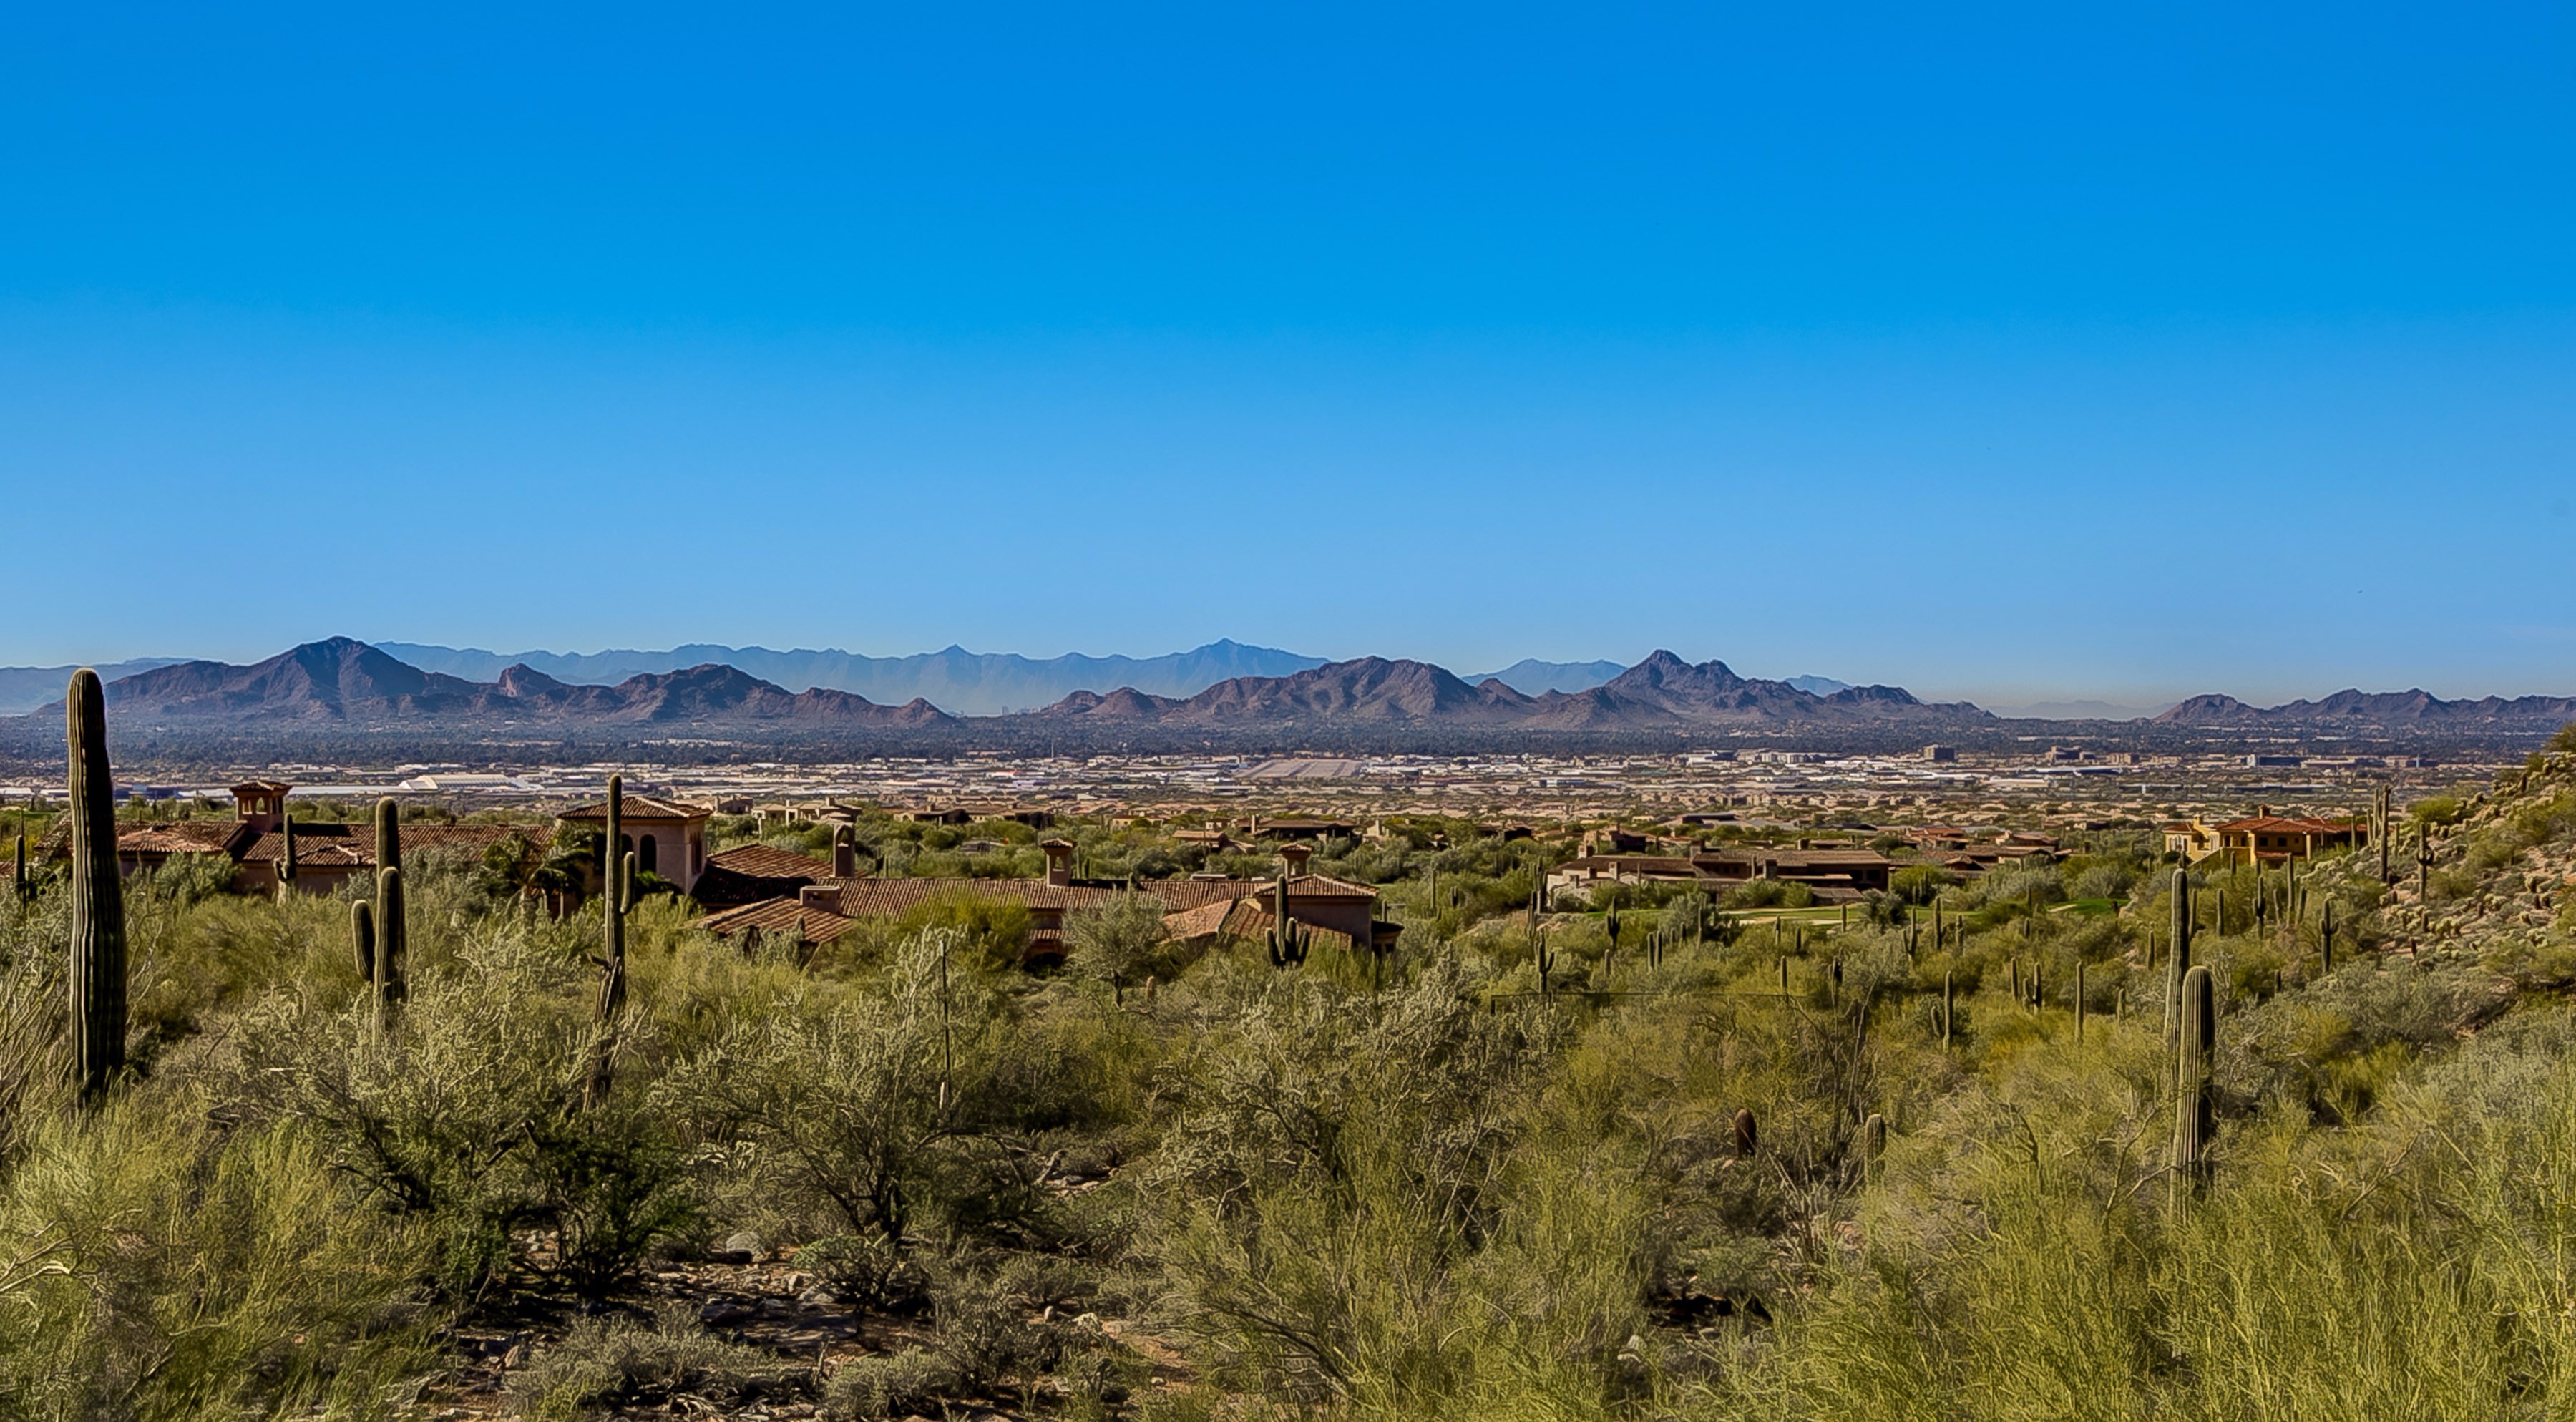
(1296, 855)
(1059, 855)
(826, 897)
(845, 854)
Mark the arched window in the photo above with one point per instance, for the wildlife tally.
(649, 858)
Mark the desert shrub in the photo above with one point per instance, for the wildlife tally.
(1920, 884)
(872, 1103)
(160, 1269)
(1119, 942)
(1332, 1194)
(2007, 887)
(1687, 917)
(882, 1387)
(868, 1271)
(1881, 910)
(467, 1121)
(2104, 881)
(185, 879)
(1770, 893)
(986, 1333)
(2541, 960)
(618, 1361)
(2436, 810)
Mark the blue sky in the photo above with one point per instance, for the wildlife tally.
(2001, 352)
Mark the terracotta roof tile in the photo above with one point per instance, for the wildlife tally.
(780, 915)
(1205, 921)
(180, 837)
(760, 861)
(1251, 919)
(638, 807)
(354, 846)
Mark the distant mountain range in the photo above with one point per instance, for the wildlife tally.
(2076, 711)
(958, 681)
(1532, 677)
(2384, 710)
(346, 681)
(348, 684)
(23, 689)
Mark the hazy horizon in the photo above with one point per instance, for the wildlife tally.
(2037, 702)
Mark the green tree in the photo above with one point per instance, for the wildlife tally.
(1117, 942)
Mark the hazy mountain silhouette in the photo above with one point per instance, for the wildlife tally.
(1532, 677)
(956, 680)
(2352, 709)
(347, 681)
(23, 689)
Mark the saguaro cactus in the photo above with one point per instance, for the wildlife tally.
(392, 952)
(393, 940)
(2325, 938)
(98, 893)
(1949, 1004)
(617, 892)
(362, 940)
(286, 856)
(18, 883)
(1746, 1138)
(2195, 1063)
(1289, 942)
(1873, 1144)
(2383, 836)
(2178, 962)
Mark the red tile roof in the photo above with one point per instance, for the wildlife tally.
(1252, 919)
(179, 837)
(760, 861)
(339, 846)
(2276, 824)
(638, 807)
(1205, 921)
(781, 915)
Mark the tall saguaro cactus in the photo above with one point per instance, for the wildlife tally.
(2383, 836)
(362, 940)
(393, 937)
(98, 894)
(2195, 1063)
(1289, 941)
(617, 886)
(2178, 962)
(286, 855)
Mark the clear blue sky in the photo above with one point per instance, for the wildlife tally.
(2003, 352)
